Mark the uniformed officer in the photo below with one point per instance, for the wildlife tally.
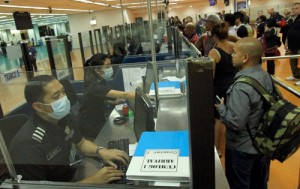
(41, 148)
(32, 55)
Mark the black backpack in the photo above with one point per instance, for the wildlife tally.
(278, 133)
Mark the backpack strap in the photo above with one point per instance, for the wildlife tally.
(259, 88)
(262, 91)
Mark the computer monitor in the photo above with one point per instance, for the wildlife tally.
(144, 116)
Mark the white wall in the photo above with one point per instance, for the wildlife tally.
(81, 22)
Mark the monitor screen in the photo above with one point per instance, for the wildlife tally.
(212, 2)
(143, 117)
(23, 20)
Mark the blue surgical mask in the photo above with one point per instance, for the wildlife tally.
(108, 73)
(61, 108)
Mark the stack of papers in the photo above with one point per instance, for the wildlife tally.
(167, 88)
(161, 156)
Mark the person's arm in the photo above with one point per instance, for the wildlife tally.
(107, 155)
(233, 38)
(234, 115)
(120, 94)
(199, 43)
(215, 56)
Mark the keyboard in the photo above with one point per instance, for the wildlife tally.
(121, 144)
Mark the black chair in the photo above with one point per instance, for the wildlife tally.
(10, 125)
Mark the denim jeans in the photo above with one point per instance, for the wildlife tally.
(246, 171)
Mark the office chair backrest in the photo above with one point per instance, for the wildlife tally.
(10, 125)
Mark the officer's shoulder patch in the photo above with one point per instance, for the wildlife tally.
(38, 134)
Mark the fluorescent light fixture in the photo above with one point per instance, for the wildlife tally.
(24, 7)
(113, 6)
(3, 16)
(42, 8)
(47, 14)
(6, 20)
(91, 2)
(93, 22)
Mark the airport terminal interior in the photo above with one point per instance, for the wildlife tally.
(65, 34)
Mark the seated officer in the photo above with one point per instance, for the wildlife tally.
(41, 148)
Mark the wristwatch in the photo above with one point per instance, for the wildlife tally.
(98, 149)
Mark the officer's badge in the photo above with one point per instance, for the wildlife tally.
(67, 130)
(69, 133)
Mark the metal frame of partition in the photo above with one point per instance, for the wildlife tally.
(91, 42)
(280, 83)
(28, 66)
(96, 43)
(99, 38)
(51, 57)
(201, 123)
(81, 48)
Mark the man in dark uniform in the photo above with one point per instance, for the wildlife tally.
(293, 44)
(32, 56)
(42, 147)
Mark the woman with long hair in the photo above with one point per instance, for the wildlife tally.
(223, 72)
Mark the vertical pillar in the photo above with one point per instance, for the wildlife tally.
(81, 49)
(51, 57)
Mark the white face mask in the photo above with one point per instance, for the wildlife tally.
(108, 73)
(61, 108)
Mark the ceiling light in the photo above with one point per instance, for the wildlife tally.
(41, 8)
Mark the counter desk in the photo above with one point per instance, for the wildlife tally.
(172, 115)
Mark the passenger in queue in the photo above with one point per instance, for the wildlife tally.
(245, 166)
(42, 148)
(97, 94)
(223, 72)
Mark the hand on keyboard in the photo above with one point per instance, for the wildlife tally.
(123, 145)
(106, 175)
(109, 156)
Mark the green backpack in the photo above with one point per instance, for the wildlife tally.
(278, 133)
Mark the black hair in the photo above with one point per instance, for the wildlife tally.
(239, 15)
(119, 49)
(97, 60)
(220, 30)
(34, 89)
(263, 18)
(271, 23)
(230, 18)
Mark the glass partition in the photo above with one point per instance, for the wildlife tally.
(86, 44)
(101, 116)
(11, 58)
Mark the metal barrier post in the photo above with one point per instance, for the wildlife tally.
(81, 49)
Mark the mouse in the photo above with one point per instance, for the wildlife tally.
(120, 120)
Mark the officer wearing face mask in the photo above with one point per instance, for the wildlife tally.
(97, 94)
(42, 147)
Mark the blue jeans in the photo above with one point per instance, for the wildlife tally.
(246, 171)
